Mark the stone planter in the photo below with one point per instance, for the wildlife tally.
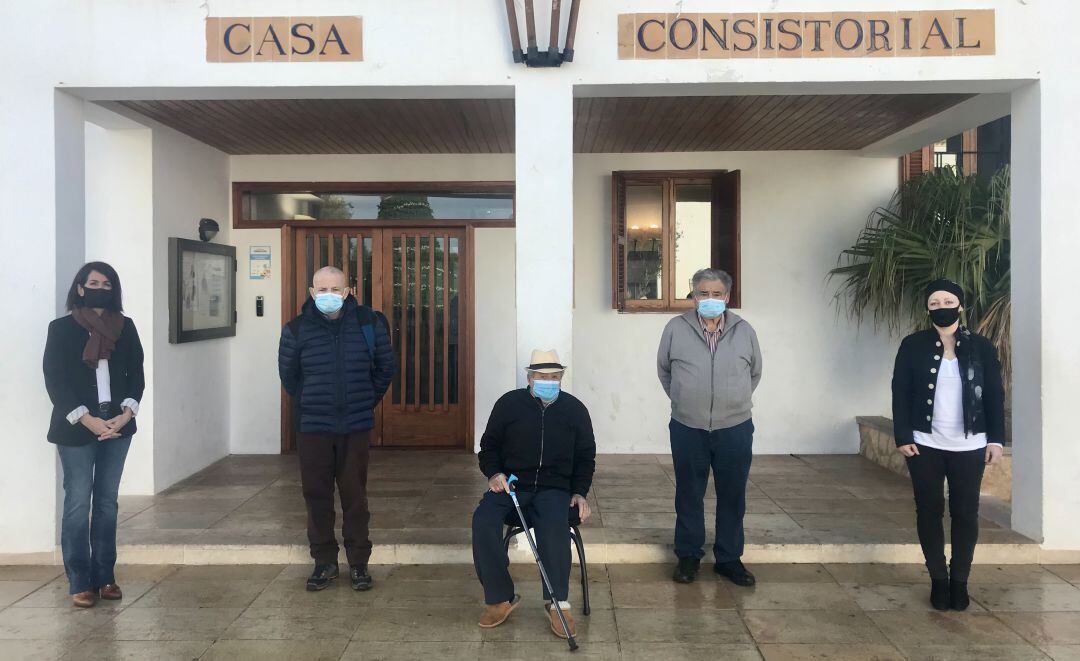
(877, 444)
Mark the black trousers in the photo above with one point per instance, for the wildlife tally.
(324, 460)
(548, 511)
(930, 469)
(727, 453)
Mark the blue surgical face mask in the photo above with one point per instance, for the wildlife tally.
(711, 308)
(546, 391)
(329, 302)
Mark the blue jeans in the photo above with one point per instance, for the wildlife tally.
(88, 531)
(728, 453)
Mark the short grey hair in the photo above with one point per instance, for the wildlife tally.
(705, 275)
(328, 270)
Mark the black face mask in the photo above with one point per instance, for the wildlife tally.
(97, 298)
(944, 317)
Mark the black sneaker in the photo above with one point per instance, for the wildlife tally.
(687, 570)
(939, 594)
(958, 595)
(736, 572)
(321, 577)
(361, 579)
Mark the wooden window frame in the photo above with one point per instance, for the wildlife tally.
(240, 188)
(725, 225)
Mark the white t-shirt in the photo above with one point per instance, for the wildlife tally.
(947, 429)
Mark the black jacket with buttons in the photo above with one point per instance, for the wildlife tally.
(915, 378)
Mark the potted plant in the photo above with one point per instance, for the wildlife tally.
(941, 224)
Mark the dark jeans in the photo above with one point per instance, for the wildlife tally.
(548, 512)
(963, 470)
(728, 452)
(88, 530)
(324, 459)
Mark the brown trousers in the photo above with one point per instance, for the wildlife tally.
(324, 460)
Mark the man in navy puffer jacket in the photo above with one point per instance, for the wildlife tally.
(335, 359)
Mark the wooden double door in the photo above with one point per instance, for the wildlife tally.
(417, 278)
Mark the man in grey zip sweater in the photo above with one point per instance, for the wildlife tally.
(709, 363)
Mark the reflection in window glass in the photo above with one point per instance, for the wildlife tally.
(693, 233)
(644, 241)
(378, 206)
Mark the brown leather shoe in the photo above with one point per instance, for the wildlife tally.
(111, 592)
(496, 614)
(556, 624)
(86, 599)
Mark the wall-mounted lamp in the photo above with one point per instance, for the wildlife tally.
(551, 57)
(208, 229)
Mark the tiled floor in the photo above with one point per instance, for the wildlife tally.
(806, 611)
(428, 498)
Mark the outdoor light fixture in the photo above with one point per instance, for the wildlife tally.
(208, 229)
(551, 57)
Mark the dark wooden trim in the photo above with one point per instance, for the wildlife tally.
(374, 224)
(669, 179)
(288, 305)
(468, 399)
(657, 175)
(376, 186)
(241, 187)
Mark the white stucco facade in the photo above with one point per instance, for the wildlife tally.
(115, 188)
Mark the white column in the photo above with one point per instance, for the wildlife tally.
(119, 230)
(41, 136)
(544, 161)
(1046, 316)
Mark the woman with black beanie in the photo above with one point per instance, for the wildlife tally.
(948, 420)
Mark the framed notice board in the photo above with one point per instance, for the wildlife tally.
(202, 291)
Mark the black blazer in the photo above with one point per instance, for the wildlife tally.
(72, 384)
(915, 377)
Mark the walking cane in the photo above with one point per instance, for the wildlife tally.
(543, 573)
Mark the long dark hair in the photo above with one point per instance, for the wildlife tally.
(73, 298)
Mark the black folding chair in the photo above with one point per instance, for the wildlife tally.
(513, 529)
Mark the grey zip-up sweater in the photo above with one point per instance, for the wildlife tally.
(709, 391)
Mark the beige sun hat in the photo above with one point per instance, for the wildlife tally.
(545, 362)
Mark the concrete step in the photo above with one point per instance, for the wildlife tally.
(605, 553)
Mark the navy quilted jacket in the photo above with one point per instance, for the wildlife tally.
(330, 371)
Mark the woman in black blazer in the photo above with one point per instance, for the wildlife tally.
(94, 374)
(948, 405)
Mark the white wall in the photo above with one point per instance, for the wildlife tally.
(799, 209)
(119, 230)
(191, 381)
(256, 393)
(496, 322)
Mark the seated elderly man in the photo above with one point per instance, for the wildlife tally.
(545, 437)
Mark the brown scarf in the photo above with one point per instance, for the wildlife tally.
(104, 331)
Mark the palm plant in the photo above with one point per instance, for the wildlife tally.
(941, 224)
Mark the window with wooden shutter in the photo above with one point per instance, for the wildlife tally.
(667, 225)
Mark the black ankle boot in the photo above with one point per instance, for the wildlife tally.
(939, 594)
(958, 595)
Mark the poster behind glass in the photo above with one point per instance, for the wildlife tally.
(202, 291)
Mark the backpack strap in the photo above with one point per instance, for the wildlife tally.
(367, 318)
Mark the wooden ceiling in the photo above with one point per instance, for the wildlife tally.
(747, 123)
(601, 124)
(341, 126)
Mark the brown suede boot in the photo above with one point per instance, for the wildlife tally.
(496, 614)
(86, 599)
(111, 592)
(556, 624)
